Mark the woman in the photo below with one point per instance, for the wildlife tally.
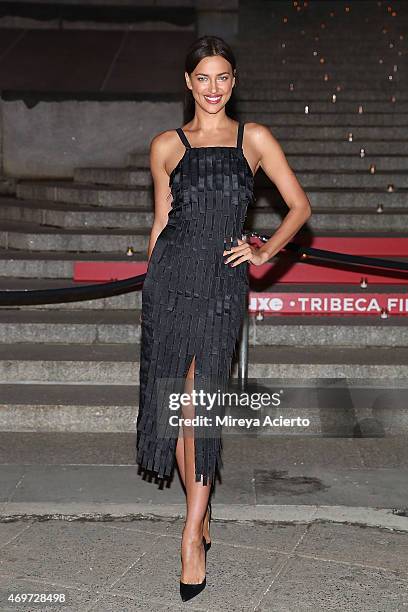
(195, 291)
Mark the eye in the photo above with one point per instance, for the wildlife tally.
(202, 78)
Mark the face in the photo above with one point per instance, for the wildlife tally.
(211, 83)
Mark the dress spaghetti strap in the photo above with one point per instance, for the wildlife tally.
(183, 138)
(240, 135)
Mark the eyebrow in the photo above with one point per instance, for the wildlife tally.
(203, 74)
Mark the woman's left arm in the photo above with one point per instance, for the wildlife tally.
(272, 160)
(275, 165)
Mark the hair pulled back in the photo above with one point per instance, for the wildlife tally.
(206, 46)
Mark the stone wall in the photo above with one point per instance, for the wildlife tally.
(53, 138)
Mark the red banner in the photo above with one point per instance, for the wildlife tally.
(325, 303)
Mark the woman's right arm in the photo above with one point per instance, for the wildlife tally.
(162, 194)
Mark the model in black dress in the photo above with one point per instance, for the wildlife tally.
(193, 303)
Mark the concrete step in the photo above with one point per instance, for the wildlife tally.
(81, 326)
(322, 138)
(306, 56)
(368, 220)
(26, 235)
(301, 44)
(303, 37)
(7, 185)
(133, 300)
(117, 327)
(377, 80)
(336, 200)
(66, 364)
(309, 65)
(292, 91)
(302, 130)
(67, 215)
(332, 120)
(118, 364)
(351, 179)
(319, 89)
(68, 408)
(352, 162)
(83, 193)
(299, 163)
(319, 94)
(89, 458)
(132, 176)
(52, 264)
(138, 159)
(323, 199)
(23, 235)
(340, 106)
(335, 174)
(329, 331)
(390, 149)
(339, 408)
(60, 265)
(387, 149)
(40, 225)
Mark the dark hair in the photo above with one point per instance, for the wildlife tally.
(206, 46)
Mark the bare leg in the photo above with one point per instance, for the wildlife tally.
(192, 550)
(181, 469)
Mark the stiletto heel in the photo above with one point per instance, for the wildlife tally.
(207, 545)
(188, 591)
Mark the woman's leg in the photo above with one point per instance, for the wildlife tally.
(192, 550)
(181, 469)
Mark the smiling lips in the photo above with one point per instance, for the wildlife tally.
(213, 99)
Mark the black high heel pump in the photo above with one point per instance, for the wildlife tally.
(188, 591)
(207, 545)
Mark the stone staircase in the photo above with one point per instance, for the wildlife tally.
(74, 366)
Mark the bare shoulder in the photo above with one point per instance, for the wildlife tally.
(163, 142)
(162, 148)
(259, 144)
(259, 135)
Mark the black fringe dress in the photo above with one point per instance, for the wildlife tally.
(193, 304)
